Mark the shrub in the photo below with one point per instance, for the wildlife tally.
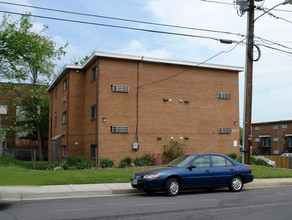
(172, 152)
(78, 162)
(52, 166)
(141, 161)
(74, 160)
(152, 160)
(106, 162)
(83, 165)
(232, 155)
(126, 162)
(6, 161)
(260, 162)
(254, 161)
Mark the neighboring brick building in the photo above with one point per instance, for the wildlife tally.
(18, 145)
(97, 106)
(272, 138)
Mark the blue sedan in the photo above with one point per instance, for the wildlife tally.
(194, 171)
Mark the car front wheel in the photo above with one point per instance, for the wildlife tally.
(171, 187)
(235, 184)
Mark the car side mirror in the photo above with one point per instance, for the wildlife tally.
(191, 166)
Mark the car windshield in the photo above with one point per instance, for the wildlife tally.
(181, 161)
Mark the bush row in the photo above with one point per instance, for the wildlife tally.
(146, 160)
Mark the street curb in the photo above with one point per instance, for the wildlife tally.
(22, 193)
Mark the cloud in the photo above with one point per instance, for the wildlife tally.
(137, 48)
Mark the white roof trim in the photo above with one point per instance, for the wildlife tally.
(145, 59)
(288, 135)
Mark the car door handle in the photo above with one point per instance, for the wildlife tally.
(207, 171)
(231, 169)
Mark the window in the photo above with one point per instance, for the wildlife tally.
(257, 140)
(3, 109)
(224, 130)
(93, 112)
(93, 151)
(275, 139)
(117, 88)
(275, 127)
(65, 84)
(202, 162)
(219, 161)
(120, 129)
(93, 73)
(224, 95)
(64, 117)
(284, 126)
(257, 128)
(64, 151)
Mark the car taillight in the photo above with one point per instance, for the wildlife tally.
(250, 168)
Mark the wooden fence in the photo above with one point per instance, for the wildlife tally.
(281, 162)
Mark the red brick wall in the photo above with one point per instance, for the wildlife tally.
(198, 120)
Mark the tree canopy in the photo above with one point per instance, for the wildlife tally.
(27, 57)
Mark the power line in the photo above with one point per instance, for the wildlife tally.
(118, 26)
(273, 43)
(123, 19)
(225, 3)
(277, 49)
(267, 11)
(192, 67)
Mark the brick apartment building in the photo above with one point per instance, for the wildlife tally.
(20, 146)
(118, 105)
(272, 138)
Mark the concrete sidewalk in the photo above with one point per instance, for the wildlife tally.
(17, 193)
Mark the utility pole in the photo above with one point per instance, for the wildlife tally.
(248, 84)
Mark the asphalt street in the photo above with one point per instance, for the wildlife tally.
(254, 203)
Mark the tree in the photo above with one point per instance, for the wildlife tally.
(27, 57)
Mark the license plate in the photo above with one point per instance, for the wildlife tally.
(135, 181)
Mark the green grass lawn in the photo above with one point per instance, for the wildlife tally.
(15, 175)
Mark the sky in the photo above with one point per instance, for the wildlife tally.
(272, 74)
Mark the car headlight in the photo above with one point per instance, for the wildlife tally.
(151, 176)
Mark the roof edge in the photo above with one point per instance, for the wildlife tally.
(137, 58)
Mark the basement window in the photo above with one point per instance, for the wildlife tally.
(224, 95)
(118, 88)
(120, 129)
(224, 130)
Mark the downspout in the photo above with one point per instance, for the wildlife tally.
(137, 100)
(67, 124)
(97, 108)
(51, 125)
(51, 121)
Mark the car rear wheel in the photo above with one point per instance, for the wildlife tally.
(235, 184)
(171, 187)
